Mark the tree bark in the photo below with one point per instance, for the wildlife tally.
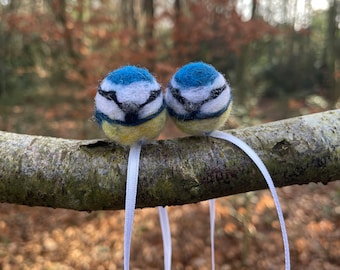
(91, 174)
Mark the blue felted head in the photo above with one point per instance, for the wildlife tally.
(197, 91)
(195, 74)
(129, 74)
(129, 95)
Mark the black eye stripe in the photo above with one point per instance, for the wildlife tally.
(153, 95)
(111, 95)
(216, 92)
(177, 95)
(102, 93)
(188, 105)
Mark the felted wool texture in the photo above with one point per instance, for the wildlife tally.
(128, 135)
(195, 74)
(132, 86)
(218, 103)
(190, 88)
(111, 109)
(129, 74)
(128, 90)
(203, 126)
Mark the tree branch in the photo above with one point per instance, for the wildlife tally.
(90, 175)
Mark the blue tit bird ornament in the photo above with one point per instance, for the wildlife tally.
(199, 100)
(129, 107)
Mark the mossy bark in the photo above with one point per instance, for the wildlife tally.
(91, 175)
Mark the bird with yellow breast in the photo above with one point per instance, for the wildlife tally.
(199, 100)
(129, 107)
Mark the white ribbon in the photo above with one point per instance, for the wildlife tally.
(130, 205)
(258, 162)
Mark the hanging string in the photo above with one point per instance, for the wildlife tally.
(130, 199)
(258, 162)
(212, 231)
(166, 235)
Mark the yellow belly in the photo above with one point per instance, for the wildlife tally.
(199, 127)
(128, 135)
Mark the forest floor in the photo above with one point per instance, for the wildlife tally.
(247, 229)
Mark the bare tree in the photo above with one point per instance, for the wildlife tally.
(331, 56)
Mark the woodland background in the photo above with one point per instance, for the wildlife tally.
(282, 59)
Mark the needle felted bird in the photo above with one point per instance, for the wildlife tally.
(199, 101)
(129, 107)
(198, 98)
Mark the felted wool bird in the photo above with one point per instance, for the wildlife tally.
(199, 100)
(129, 107)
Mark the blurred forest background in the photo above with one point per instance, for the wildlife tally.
(279, 55)
(282, 59)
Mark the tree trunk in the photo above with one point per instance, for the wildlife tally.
(59, 9)
(178, 55)
(148, 7)
(128, 14)
(334, 92)
(91, 175)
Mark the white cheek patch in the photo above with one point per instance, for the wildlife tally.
(218, 103)
(109, 108)
(196, 95)
(151, 107)
(137, 92)
(173, 103)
